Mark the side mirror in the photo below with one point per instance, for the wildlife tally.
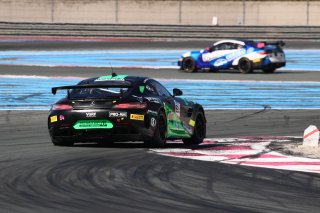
(177, 92)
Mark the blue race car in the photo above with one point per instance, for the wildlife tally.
(245, 56)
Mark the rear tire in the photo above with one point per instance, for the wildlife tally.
(159, 138)
(199, 131)
(189, 65)
(245, 65)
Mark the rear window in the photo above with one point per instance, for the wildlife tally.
(110, 88)
(98, 93)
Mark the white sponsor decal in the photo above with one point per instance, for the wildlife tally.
(235, 55)
(149, 88)
(90, 114)
(220, 62)
(211, 56)
(153, 122)
(177, 108)
(152, 112)
(117, 114)
(154, 100)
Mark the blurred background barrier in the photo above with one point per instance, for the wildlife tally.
(191, 32)
(164, 12)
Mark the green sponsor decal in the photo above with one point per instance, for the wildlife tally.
(175, 127)
(141, 88)
(93, 124)
(109, 77)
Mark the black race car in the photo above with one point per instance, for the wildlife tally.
(115, 108)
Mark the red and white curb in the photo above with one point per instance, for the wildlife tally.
(245, 151)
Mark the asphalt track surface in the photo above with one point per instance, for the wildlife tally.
(39, 177)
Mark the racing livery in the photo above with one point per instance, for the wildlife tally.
(115, 108)
(233, 54)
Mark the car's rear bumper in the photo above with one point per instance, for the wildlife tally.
(117, 134)
(267, 64)
(133, 126)
(274, 65)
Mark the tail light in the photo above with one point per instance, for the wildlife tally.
(61, 107)
(261, 45)
(134, 105)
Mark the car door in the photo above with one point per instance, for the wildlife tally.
(174, 111)
(229, 51)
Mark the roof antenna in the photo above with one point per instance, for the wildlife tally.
(113, 74)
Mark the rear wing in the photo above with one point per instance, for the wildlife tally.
(55, 89)
(278, 43)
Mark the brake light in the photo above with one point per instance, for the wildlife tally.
(61, 107)
(135, 105)
(260, 45)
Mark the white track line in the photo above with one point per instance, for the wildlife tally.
(250, 151)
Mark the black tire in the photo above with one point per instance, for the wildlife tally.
(199, 131)
(189, 65)
(269, 70)
(214, 70)
(159, 138)
(245, 65)
(62, 142)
